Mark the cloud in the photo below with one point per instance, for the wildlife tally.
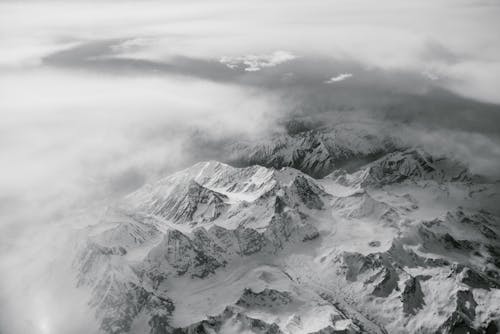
(340, 77)
(98, 97)
(479, 152)
(252, 63)
(430, 75)
(74, 122)
(73, 142)
(33, 269)
(446, 35)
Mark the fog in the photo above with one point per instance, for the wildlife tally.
(99, 97)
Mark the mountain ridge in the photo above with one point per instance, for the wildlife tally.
(386, 234)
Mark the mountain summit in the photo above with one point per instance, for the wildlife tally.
(407, 243)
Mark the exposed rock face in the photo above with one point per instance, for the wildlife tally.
(361, 204)
(398, 167)
(385, 282)
(407, 166)
(412, 296)
(331, 330)
(230, 321)
(119, 309)
(184, 255)
(186, 203)
(307, 192)
(218, 249)
(316, 152)
(461, 320)
(267, 298)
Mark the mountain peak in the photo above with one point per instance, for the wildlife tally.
(275, 250)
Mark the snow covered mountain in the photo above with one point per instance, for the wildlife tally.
(406, 243)
(317, 151)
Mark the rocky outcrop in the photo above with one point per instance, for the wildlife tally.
(189, 202)
(266, 299)
(120, 309)
(186, 256)
(230, 321)
(307, 192)
(412, 296)
(462, 319)
(316, 152)
(331, 330)
(410, 166)
(361, 204)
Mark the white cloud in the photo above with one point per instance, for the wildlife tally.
(393, 34)
(252, 63)
(72, 122)
(66, 139)
(340, 77)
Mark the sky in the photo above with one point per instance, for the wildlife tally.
(99, 97)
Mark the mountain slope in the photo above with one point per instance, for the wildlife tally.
(317, 152)
(407, 243)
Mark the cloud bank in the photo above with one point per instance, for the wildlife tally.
(98, 97)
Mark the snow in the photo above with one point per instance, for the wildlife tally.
(195, 299)
(359, 220)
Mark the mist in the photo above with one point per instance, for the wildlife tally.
(99, 98)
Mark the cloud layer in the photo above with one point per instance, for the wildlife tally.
(98, 97)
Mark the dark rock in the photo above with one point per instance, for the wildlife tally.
(412, 296)
(267, 298)
(388, 283)
(462, 319)
(238, 320)
(308, 193)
